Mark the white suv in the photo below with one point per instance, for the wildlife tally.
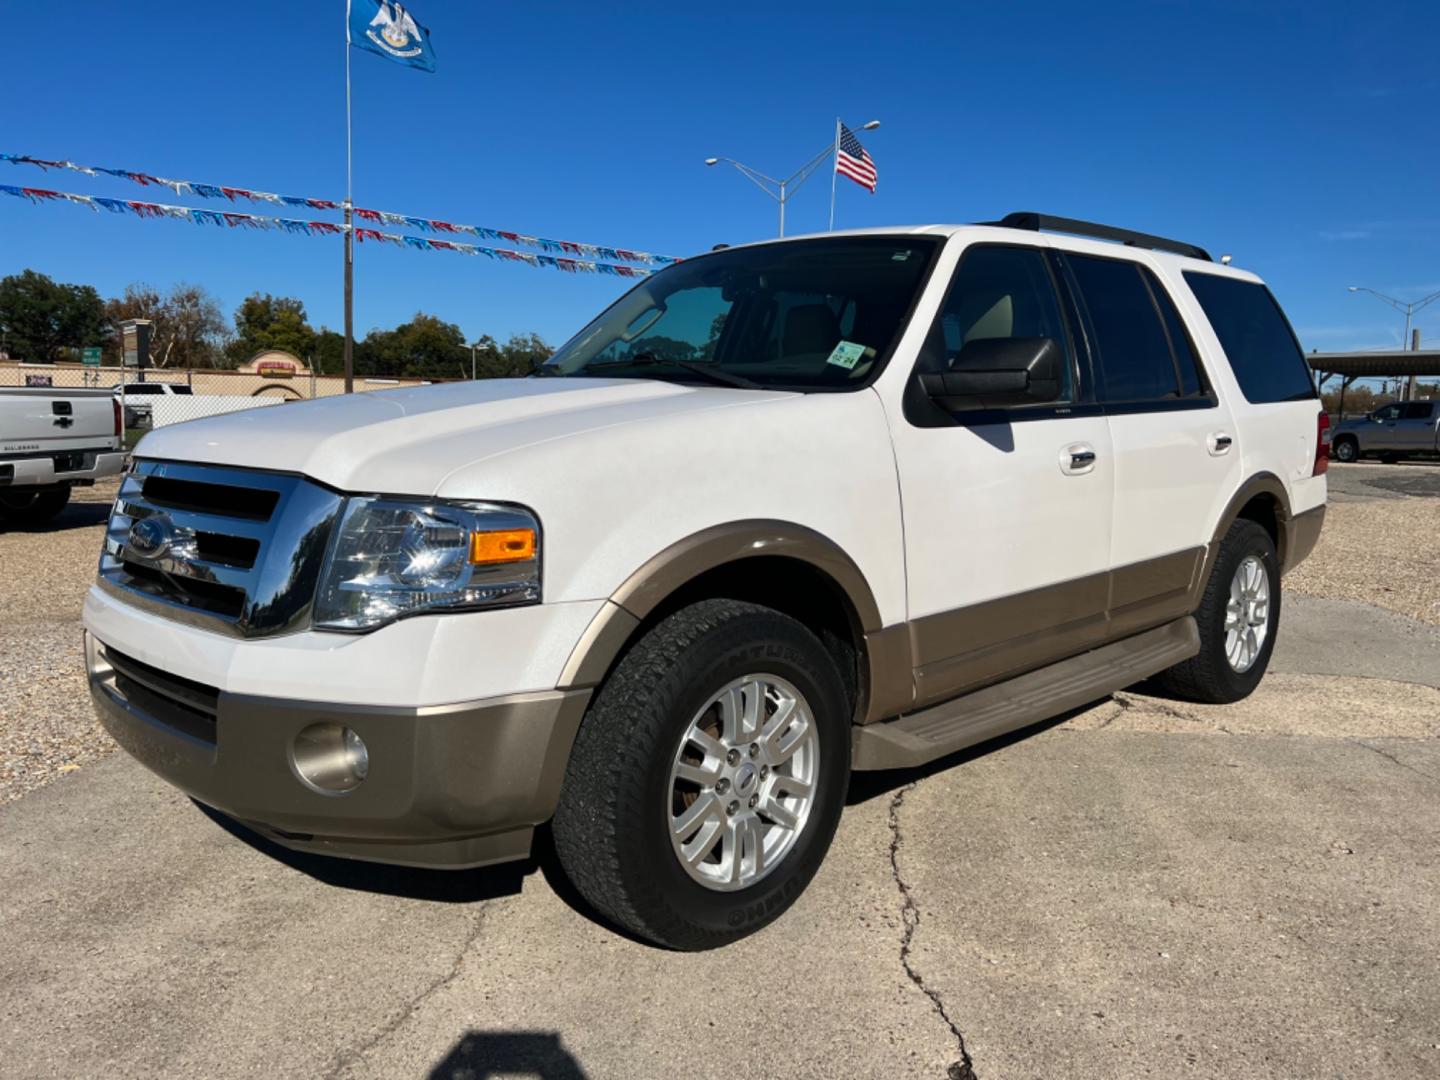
(852, 501)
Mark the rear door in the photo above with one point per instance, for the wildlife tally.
(1415, 431)
(1175, 460)
(1007, 511)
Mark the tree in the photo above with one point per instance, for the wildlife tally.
(187, 328)
(329, 355)
(266, 322)
(39, 318)
(426, 347)
(522, 354)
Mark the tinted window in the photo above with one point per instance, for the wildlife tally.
(1258, 341)
(1003, 292)
(1389, 412)
(1416, 410)
(1192, 383)
(1132, 344)
(806, 314)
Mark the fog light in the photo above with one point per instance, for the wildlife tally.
(330, 758)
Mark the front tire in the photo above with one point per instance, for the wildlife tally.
(708, 777)
(34, 507)
(1237, 617)
(1347, 450)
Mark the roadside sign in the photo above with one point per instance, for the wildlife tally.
(39, 380)
(90, 357)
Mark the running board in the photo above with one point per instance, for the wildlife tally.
(1027, 699)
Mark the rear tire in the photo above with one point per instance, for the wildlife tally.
(1347, 450)
(33, 507)
(1236, 635)
(730, 708)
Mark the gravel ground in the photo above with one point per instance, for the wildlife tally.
(47, 727)
(1381, 543)
(1383, 526)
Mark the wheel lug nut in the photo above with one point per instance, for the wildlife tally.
(733, 757)
(734, 806)
(754, 749)
(754, 801)
(764, 771)
(722, 785)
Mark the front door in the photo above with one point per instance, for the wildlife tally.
(1007, 511)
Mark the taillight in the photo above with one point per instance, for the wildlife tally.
(119, 417)
(1322, 444)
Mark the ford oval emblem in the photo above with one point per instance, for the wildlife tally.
(149, 537)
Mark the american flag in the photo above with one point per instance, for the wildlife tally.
(852, 160)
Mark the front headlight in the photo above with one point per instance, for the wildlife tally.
(392, 557)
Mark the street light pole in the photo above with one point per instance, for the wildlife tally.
(1409, 310)
(782, 190)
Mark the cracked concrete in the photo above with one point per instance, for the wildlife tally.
(964, 1068)
(347, 1058)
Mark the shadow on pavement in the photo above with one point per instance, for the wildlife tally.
(78, 515)
(865, 786)
(442, 886)
(480, 1055)
(415, 883)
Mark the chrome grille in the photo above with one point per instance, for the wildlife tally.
(233, 550)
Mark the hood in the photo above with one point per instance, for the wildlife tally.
(405, 442)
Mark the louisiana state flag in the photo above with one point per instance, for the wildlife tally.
(390, 30)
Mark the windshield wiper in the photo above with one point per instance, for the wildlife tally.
(706, 371)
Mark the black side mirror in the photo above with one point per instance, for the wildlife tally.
(994, 373)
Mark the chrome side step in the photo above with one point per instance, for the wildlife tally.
(1026, 699)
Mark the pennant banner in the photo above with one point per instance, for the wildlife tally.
(378, 217)
(233, 220)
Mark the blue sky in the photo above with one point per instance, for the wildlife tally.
(1298, 136)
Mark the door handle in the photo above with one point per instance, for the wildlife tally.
(1077, 459)
(1219, 443)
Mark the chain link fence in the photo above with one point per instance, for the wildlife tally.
(159, 397)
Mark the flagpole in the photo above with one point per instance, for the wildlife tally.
(349, 226)
(834, 170)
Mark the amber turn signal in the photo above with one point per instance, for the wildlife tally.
(502, 546)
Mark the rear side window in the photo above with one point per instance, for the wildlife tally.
(1187, 364)
(1416, 410)
(1131, 340)
(1259, 343)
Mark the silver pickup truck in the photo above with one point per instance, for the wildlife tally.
(1401, 429)
(50, 441)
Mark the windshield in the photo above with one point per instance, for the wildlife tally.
(805, 315)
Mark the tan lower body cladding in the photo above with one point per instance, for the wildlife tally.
(952, 652)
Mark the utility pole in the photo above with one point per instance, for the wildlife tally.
(1412, 387)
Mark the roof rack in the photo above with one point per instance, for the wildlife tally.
(1036, 222)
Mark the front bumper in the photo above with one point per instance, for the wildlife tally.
(40, 471)
(450, 786)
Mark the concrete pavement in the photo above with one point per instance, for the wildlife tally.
(1142, 889)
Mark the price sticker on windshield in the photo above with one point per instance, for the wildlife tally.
(846, 355)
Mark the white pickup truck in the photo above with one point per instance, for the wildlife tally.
(51, 440)
(853, 501)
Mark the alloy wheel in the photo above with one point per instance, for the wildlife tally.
(743, 782)
(1247, 614)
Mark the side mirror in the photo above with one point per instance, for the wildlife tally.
(994, 373)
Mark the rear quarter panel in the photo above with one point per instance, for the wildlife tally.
(1277, 438)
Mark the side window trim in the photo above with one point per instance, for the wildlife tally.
(1086, 392)
(1150, 286)
(1181, 350)
(1175, 403)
